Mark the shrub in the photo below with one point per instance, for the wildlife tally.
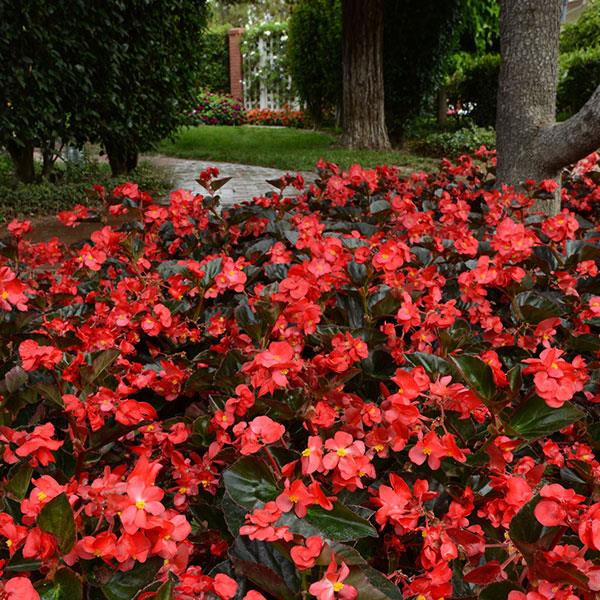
(315, 55)
(385, 386)
(583, 33)
(579, 77)
(216, 109)
(281, 118)
(479, 86)
(418, 37)
(73, 185)
(461, 141)
(213, 70)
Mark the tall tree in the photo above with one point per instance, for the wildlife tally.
(530, 143)
(362, 66)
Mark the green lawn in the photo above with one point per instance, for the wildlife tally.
(287, 149)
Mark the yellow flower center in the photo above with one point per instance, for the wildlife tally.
(182, 490)
(204, 483)
(42, 496)
(427, 451)
(293, 499)
(140, 504)
(306, 452)
(554, 366)
(9, 543)
(338, 586)
(342, 452)
(4, 295)
(379, 447)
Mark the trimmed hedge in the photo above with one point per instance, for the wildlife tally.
(479, 85)
(579, 77)
(314, 55)
(214, 70)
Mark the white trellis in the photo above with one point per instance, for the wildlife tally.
(267, 84)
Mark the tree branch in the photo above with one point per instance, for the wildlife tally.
(565, 143)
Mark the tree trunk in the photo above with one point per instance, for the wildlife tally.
(47, 160)
(121, 160)
(442, 106)
(362, 58)
(22, 159)
(530, 144)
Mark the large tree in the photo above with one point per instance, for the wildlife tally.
(530, 143)
(362, 67)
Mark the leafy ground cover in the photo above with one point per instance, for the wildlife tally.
(71, 185)
(287, 149)
(386, 387)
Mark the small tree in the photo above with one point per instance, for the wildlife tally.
(530, 144)
(149, 78)
(42, 78)
(314, 53)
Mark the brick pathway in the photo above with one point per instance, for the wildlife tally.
(247, 181)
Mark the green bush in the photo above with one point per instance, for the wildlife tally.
(73, 185)
(454, 143)
(583, 33)
(579, 77)
(315, 54)
(479, 86)
(213, 71)
(418, 35)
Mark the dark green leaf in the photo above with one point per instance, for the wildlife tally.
(250, 481)
(50, 391)
(19, 479)
(434, 365)
(379, 206)
(57, 518)
(527, 533)
(477, 375)
(100, 364)
(267, 568)
(340, 524)
(586, 342)
(164, 592)
(499, 590)
(125, 585)
(65, 585)
(535, 419)
(15, 379)
(372, 584)
(535, 307)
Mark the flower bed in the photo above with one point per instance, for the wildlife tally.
(384, 388)
(280, 118)
(217, 109)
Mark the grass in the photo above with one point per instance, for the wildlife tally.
(286, 149)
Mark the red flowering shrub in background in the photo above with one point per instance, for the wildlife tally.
(386, 387)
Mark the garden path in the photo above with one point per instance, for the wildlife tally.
(247, 181)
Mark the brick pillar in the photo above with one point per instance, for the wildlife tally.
(235, 63)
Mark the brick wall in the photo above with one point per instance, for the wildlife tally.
(235, 63)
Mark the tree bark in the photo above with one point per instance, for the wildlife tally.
(362, 58)
(22, 159)
(530, 144)
(442, 106)
(121, 160)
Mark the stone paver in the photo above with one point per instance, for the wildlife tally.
(247, 181)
